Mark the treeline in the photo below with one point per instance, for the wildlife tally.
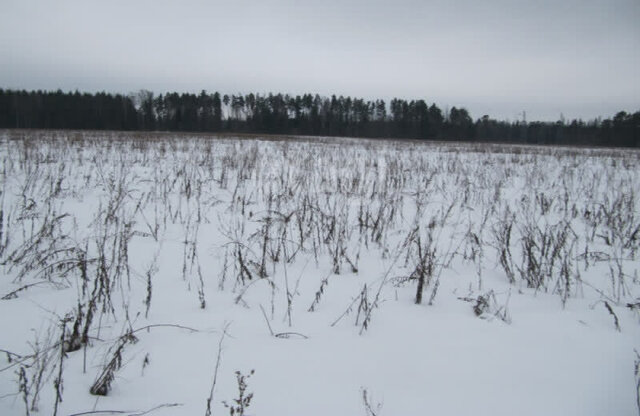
(299, 115)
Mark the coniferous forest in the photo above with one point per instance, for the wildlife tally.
(306, 114)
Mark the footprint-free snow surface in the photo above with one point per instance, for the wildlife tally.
(194, 275)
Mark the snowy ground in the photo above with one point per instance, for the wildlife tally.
(141, 249)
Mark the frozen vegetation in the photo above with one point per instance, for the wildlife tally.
(192, 275)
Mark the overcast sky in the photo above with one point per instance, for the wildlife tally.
(503, 57)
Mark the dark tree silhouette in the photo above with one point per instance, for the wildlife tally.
(306, 114)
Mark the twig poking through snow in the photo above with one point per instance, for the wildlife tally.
(127, 412)
(615, 317)
(284, 335)
(215, 371)
(267, 320)
(366, 400)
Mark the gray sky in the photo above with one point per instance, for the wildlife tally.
(579, 58)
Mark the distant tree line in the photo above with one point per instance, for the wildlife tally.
(299, 115)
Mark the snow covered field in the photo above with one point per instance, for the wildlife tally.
(353, 277)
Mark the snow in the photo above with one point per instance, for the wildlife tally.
(548, 350)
